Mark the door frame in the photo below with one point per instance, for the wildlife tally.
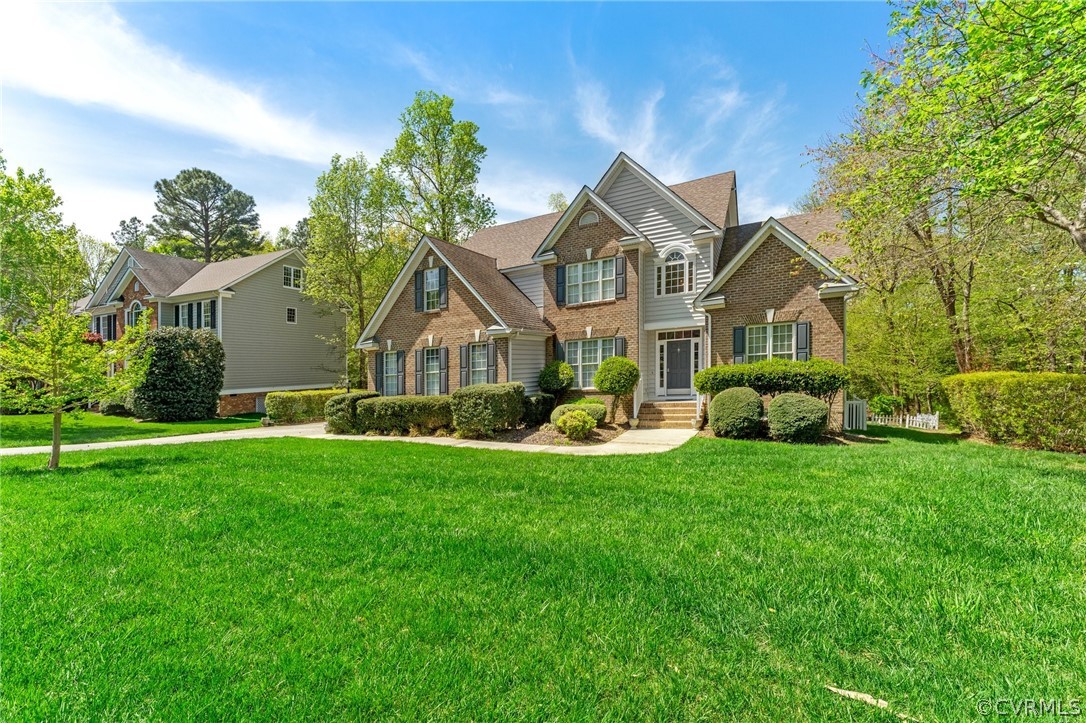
(696, 337)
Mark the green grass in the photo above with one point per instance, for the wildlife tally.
(314, 579)
(33, 430)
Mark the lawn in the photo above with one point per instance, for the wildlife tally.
(33, 430)
(322, 579)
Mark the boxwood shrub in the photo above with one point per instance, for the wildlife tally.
(302, 406)
(576, 423)
(818, 378)
(1045, 410)
(556, 377)
(736, 413)
(595, 409)
(617, 376)
(797, 418)
(404, 414)
(183, 377)
(480, 410)
(537, 408)
(340, 412)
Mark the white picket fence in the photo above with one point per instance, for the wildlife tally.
(909, 421)
(856, 415)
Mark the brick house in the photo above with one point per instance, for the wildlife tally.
(664, 275)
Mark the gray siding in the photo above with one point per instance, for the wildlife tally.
(530, 282)
(527, 357)
(263, 351)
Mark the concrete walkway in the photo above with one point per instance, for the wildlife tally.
(634, 441)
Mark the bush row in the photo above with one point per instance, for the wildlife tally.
(404, 414)
(737, 413)
(818, 378)
(1044, 410)
(341, 412)
(480, 410)
(295, 407)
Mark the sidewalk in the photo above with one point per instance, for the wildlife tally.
(634, 441)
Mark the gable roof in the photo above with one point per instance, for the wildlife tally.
(820, 229)
(624, 162)
(583, 196)
(705, 195)
(221, 274)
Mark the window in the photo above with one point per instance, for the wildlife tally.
(292, 315)
(589, 218)
(432, 370)
(432, 286)
(585, 356)
(590, 281)
(134, 312)
(478, 364)
(391, 374)
(292, 277)
(106, 325)
(183, 316)
(207, 315)
(675, 273)
(771, 340)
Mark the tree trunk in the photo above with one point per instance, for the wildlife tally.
(54, 457)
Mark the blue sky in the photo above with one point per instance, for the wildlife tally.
(121, 95)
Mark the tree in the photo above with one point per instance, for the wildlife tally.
(557, 202)
(132, 233)
(202, 216)
(293, 238)
(97, 257)
(355, 246)
(437, 158)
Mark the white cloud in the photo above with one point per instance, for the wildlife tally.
(519, 192)
(86, 54)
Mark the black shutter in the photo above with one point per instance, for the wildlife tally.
(443, 287)
(620, 277)
(177, 315)
(400, 389)
(418, 292)
(739, 344)
(97, 326)
(465, 365)
(620, 346)
(214, 314)
(803, 341)
(560, 285)
(420, 387)
(443, 367)
(191, 320)
(559, 350)
(492, 362)
(379, 372)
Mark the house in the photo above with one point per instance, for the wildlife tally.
(665, 275)
(273, 336)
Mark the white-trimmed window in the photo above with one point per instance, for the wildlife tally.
(292, 315)
(183, 315)
(391, 374)
(133, 316)
(675, 275)
(589, 218)
(207, 315)
(431, 358)
(432, 290)
(292, 277)
(585, 355)
(590, 281)
(478, 364)
(771, 340)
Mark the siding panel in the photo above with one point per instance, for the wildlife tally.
(527, 357)
(530, 282)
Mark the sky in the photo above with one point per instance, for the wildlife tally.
(109, 98)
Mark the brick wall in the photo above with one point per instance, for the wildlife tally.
(129, 295)
(410, 330)
(231, 404)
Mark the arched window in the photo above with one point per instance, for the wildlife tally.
(589, 218)
(134, 312)
(672, 278)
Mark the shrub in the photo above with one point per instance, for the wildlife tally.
(1045, 410)
(556, 377)
(885, 404)
(818, 378)
(341, 412)
(537, 408)
(736, 413)
(404, 414)
(481, 409)
(120, 406)
(797, 417)
(617, 376)
(294, 407)
(576, 424)
(594, 409)
(184, 373)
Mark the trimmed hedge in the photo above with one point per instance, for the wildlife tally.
(594, 409)
(818, 378)
(617, 376)
(797, 418)
(404, 414)
(341, 413)
(184, 375)
(480, 410)
(576, 423)
(301, 406)
(537, 408)
(556, 377)
(1045, 410)
(736, 413)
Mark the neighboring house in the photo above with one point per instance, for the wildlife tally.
(664, 275)
(273, 336)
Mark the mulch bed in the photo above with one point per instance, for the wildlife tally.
(547, 434)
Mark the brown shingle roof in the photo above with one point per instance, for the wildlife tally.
(710, 196)
(220, 274)
(162, 273)
(481, 271)
(821, 229)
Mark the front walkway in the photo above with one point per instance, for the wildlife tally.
(633, 441)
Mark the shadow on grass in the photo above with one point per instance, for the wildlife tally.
(876, 432)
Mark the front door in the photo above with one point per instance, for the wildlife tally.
(678, 367)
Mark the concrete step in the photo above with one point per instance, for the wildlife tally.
(664, 424)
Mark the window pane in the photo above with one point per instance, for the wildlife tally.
(573, 293)
(782, 341)
(608, 266)
(590, 351)
(608, 288)
(607, 348)
(478, 364)
(573, 274)
(573, 351)
(287, 278)
(674, 278)
(590, 291)
(757, 343)
(590, 271)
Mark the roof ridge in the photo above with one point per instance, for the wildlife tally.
(464, 248)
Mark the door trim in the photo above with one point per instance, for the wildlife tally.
(696, 337)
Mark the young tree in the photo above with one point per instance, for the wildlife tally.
(293, 238)
(132, 233)
(98, 257)
(202, 216)
(436, 158)
(557, 202)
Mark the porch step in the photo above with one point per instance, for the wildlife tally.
(667, 415)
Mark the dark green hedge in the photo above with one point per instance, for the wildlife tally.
(1045, 410)
(594, 409)
(736, 413)
(184, 375)
(480, 410)
(797, 418)
(302, 406)
(404, 414)
(537, 408)
(556, 377)
(341, 412)
(818, 378)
